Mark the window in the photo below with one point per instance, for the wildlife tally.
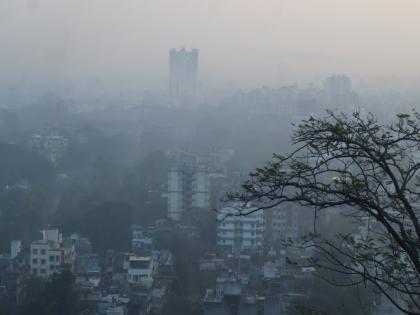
(34, 251)
(34, 261)
(43, 251)
(35, 271)
(57, 258)
(51, 258)
(43, 261)
(43, 271)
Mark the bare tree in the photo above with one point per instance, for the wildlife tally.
(369, 172)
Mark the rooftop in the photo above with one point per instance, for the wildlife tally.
(141, 259)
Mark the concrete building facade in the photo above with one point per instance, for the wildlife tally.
(183, 75)
(240, 234)
(141, 270)
(188, 188)
(50, 255)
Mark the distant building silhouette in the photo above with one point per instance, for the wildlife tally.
(338, 94)
(183, 76)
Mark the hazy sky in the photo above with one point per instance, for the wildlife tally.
(246, 41)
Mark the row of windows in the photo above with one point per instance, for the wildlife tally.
(35, 251)
(43, 261)
(43, 271)
(230, 242)
(137, 277)
(35, 261)
(243, 233)
(252, 225)
(51, 258)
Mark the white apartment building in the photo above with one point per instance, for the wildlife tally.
(15, 248)
(240, 234)
(141, 270)
(49, 255)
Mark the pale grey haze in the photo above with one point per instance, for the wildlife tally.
(248, 42)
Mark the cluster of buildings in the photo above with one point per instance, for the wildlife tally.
(243, 242)
(248, 286)
(52, 145)
(253, 276)
(110, 284)
(299, 103)
(259, 275)
(336, 92)
(250, 265)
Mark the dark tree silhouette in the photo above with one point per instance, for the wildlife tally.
(56, 296)
(368, 172)
(108, 226)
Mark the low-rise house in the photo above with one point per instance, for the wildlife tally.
(82, 245)
(230, 297)
(88, 266)
(113, 305)
(141, 270)
(140, 243)
(210, 262)
(49, 255)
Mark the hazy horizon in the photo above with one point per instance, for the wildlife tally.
(247, 42)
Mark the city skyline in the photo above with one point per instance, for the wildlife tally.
(276, 43)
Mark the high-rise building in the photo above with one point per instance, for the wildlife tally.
(337, 84)
(338, 94)
(183, 75)
(188, 188)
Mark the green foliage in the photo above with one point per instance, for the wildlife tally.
(56, 296)
(325, 300)
(190, 282)
(23, 165)
(175, 305)
(26, 193)
(108, 226)
(142, 188)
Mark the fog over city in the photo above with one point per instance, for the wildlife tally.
(272, 42)
(209, 157)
